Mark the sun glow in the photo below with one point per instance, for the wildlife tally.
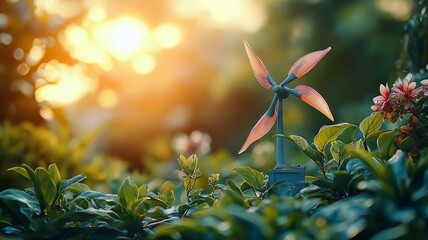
(122, 38)
(167, 35)
(144, 64)
(124, 42)
(107, 98)
(244, 15)
(65, 84)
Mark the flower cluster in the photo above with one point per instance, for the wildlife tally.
(400, 99)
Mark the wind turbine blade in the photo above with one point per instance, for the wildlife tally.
(263, 126)
(259, 69)
(307, 62)
(313, 98)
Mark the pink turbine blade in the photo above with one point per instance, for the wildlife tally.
(313, 98)
(307, 62)
(259, 130)
(259, 69)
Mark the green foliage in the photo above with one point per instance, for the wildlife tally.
(368, 198)
(36, 146)
(65, 208)
(328, 134)
(389, 205)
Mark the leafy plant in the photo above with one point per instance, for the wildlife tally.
(34, 211)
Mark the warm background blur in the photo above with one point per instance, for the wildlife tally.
(143, 73)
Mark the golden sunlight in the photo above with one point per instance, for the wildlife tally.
(96, 14)
(400, 9)
(245, 15)
(167, 35)
(122, 38)
(46, 113)
(144, 64)
(80, 45)
(107, 98)
(66, 84)
(65, 9)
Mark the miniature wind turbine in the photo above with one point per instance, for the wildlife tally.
(274, 112)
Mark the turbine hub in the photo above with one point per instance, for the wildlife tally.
(281, 91)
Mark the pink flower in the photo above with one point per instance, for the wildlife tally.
(425, 87)
(384, 102)
(196, 142)
(406, 92)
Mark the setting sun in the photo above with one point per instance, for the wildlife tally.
(122, 38)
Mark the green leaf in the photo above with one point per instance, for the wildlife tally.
(128, 193)
(303, 145)
(22, 171)
(167, 187)
(168, 197)
(48, 188)
(54, 173)
(143, 190)
(337, 150)
(157, 213)
(371, 124)
(76, 189)
(152, 201)
(327, 134)
(193, 162)
(234, 187)
(30, 173)
(245, 186)
(213, 179)
(407, 143)
(189, 165)
(182, 209)
(184, 165)
(342, 180)
(254, 178)
(96, 197)
(188, 183)
(21, 205)
(398, 164)
(385, 143)
(376, 166)
(68, 182)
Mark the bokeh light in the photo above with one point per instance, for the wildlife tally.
(122, 38)
(96, 14)
(144, 64)
(243, 15)
(64, 9)
(400, 9)
(67, 84)
(46, 113)
(107, 98)
(167, 35)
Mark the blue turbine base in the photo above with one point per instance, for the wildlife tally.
(294, 179)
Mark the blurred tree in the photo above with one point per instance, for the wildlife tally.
(28, 38)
